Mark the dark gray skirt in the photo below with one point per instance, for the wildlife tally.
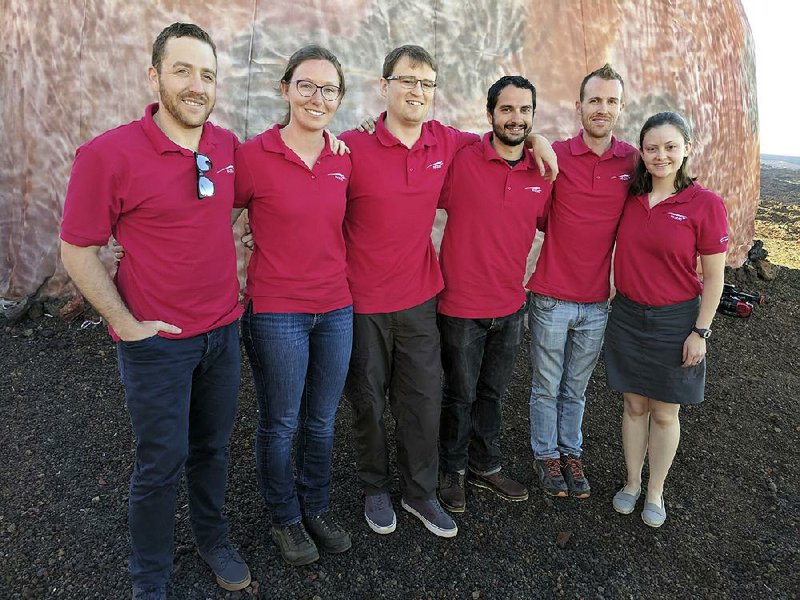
(643, 348)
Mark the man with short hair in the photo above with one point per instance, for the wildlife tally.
(394, 278)
(571, 284)
(163, 185)
(494, 197)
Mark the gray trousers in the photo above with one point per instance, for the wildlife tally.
(397, 355)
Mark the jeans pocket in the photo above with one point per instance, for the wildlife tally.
(603, 307)
(139, 343)
(544, 302)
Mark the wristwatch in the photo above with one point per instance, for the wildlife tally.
(703, 333)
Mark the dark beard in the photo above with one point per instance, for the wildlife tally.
(501, 135)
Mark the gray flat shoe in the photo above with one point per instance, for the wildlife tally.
(653, 514)
(624, 503)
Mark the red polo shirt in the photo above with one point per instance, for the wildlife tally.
(588, 196)
(657, 248)
(296, 214)
(492, 214)
(180, 262)
(392, 200)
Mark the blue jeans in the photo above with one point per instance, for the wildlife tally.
(299, 363)
(478, 357)
(566, 338)
(182, 397)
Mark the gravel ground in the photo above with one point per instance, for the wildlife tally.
(732, 496)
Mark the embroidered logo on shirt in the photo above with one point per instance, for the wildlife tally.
(338, 176)
(435, 166)
(623, 177)
(534, 188)
(723, 239)
(677, 216)
(228, 170)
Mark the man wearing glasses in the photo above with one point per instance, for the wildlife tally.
(394, 278)
(163, 185)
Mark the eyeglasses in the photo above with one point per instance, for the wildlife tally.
(309, 88)
(205, 187)
(409, 82)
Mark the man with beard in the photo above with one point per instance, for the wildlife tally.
(494, 197)
(163, 185)
(394, 277)
(571, 288)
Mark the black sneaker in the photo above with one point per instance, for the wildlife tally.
(577, 484)
(328, 534)
(549, 470)
(229, 567)
(451, 492)
(295, 545)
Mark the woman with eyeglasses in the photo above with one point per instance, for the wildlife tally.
(655, 342)
(298, 321)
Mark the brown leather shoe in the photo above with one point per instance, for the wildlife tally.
(503, 486)
(451, 492)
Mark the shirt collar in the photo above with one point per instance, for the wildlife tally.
(577, 146)
(682, 197)
(685, 195)
(387, 138)
(271, 141)
(489, 153)
(162, 143)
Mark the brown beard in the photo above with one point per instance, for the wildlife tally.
(172, 104)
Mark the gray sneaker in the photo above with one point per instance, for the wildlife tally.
(149, 592)
(295, 544)
(379, 513)
(228, 565)
(432, 515)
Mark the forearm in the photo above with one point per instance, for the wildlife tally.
(713, 280)
(235, 214)
(91, 277)
(544, 154)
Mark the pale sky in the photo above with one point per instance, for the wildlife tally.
(775, 30)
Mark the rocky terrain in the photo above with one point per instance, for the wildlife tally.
(733, 498)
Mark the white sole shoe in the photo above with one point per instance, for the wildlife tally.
(432, 527)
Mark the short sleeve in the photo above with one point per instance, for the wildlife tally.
(93, 202)
(712, 235)
(447, 189)
(243, 178)
(541, 222)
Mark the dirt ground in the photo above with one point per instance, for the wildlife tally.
(778, 217)
(733, 498)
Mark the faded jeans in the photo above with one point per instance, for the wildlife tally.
(566, 339)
